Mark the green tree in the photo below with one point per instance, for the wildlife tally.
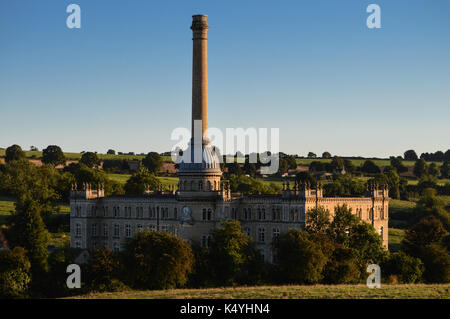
(306, 177)
(312, 155)
(90, 159)
(230, 254)
(427, 231)
(420, 168)
(56, 278)
(14, 153)
(153, 161)
(410, 155)
(317, 220)
(301, 259)
(398, 164)
(342, 225)
(445, 170)
(111, 152)
(342, 268)
(137, 182)
(433, 170)
(27, 230)
(53, 155)
(14, 273)
(437, 263)
(407, 269)
(103, 271)
(326, 155)
(337, 163)
(159, 260)
(370, 167)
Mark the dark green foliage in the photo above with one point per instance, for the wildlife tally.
(103, 271)
(342, 268)
(230, 254)
(395, 183)
(445, 169)
(159, 260)
(14, 273)
(312, 155)
(420, 168)
(28, 231)
(410, 155)
(406, 268)
(317, 220)
(116, 166)
(111, 152)
(344, 185)
(56, 277)
(251, 186)
(286, 163)
(153, 162)
(427, 231)
(326, 155)
(343, 223)
(84, 174)
(14, 153)
(22, 178)
(337, 163)
(437, 263)
(53, 155)
(370, 167)
(90, 159)
(306, 177)
(301, 259)
(398, 164)
(433, 170)
(137, 182)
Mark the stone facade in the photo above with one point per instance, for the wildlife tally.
(203, 200)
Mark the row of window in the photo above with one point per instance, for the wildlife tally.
(379, 213)
(126, 212)
(95, 230)
(193, 186)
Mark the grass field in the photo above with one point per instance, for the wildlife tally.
(77, 156)
(122, 178)
(395, 238)
(356, 162)
(417, 291)
(7, 206)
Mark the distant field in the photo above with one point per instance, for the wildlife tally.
(122, 178)
(77, 156)
(418, 291)
(356, 162)
(395, 239)
(7, 206)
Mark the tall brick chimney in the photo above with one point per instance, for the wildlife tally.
(200, 72)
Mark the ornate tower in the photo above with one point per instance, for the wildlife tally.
(199, 171)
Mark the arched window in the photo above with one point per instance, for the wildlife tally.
(200, 185)
(209, 185)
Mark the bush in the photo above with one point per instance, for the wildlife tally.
(300, 258)
(14, 273)
(342, 267)
(103, 272)
(407, 269)
(437, 264)
(231, 255)
(159, 260)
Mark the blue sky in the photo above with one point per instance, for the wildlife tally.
(311, 68)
